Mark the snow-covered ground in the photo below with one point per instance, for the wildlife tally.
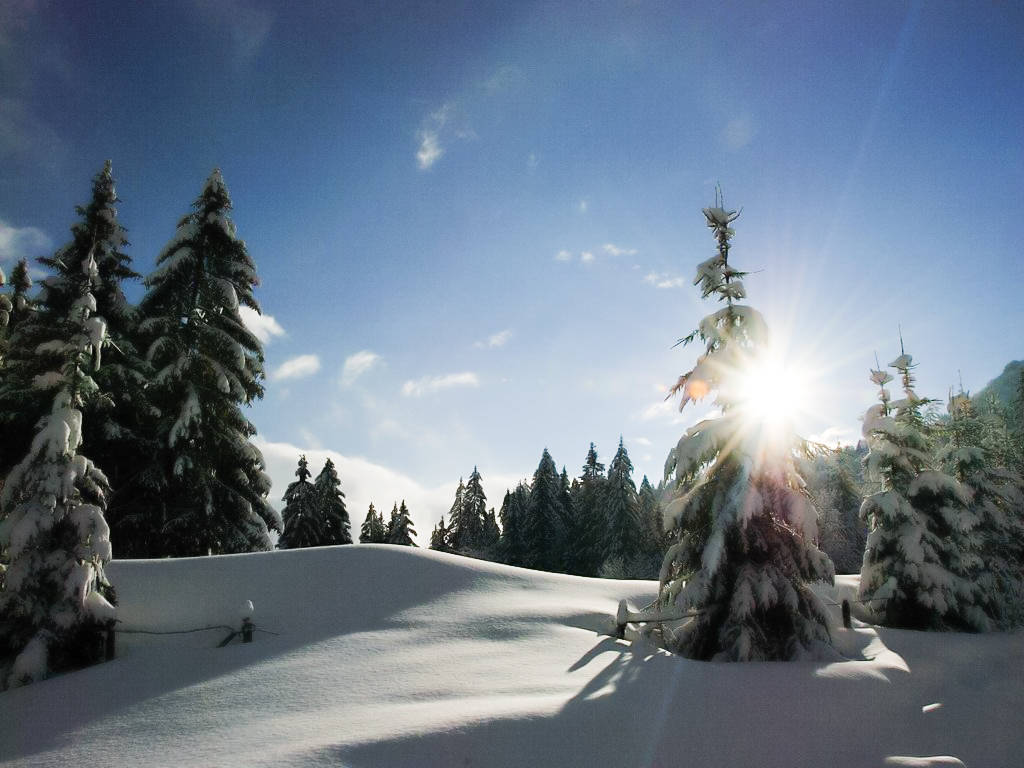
(392, 656)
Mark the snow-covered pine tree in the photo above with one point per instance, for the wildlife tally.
(997, 504)
(917, 565)
(14, 306)
(303, 525)
(543, 533)
(54, 598)
(624, 541)
(746, 551)
(654, 541)
(373, 530)
(439, 537)
(114, 419)
(467, 536)
(208, 488)
(490, 536)
(456, 515)
(400, 530)
(330, 505)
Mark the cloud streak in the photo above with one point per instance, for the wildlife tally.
(297, 368)
(431, 384)
(358, 364)
(662, 280)
(614, 250)
(22, 243)
(499, 339)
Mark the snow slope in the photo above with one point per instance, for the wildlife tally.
(392, 656)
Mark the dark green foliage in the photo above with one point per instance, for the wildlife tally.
(373, 530)
(624, 543)
(302, 524)
(205, 491)
(512, 547)
(400, 530)
(543, 529)
(439, 537)
(330, 506)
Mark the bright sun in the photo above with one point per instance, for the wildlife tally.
(771, 396)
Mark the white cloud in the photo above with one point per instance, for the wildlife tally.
(532, 161)
(297, 368)
(430, 150)
(660, 280)
(587, 257)
(738, 132)
(358, 364)
(430, 384)
(264, 327)
(834, 435)
(613, 250)
(22, 243)
(363, 481)
(640, 441)
(563, 255)
(582, 206)
(495, 340)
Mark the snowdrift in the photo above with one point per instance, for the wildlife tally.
(391, 656)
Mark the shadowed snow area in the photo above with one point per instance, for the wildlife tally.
(392, 656)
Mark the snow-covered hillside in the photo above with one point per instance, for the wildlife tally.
(391, 656)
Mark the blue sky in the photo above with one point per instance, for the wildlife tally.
(492, 210)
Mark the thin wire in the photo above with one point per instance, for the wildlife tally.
(173, 631)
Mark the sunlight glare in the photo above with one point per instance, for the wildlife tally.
(771, 396)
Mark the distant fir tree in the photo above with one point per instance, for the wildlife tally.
(455, 515)
(996, 504)
(15, 306)
(468, 536)
(746, 552)
(400, 530)
(373, 530)
(590, 522)
(490, 536)
(654, 540)
(837, 497)
(543, 527)
(624, 543)
(330, 506)
(917, 565)
(439, 537)
(55, 597)
(207, 489)
(512, 546)
(302, 522)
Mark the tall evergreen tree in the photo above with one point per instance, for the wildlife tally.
(589, 517)
(330, 505)
(997, 508)
(917, 562)
(303, 526)
(654, 541)
(114, 417)
(54, 597)
(490, 536)
(15, 306)
(400, 530)
(468, 529)
(543, 529)
(208, 489)
(373, 530)
(625, 529)
(746, 551)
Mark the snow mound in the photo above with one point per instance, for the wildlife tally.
(392, 656)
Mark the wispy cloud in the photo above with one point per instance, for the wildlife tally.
(430, 150)
(22, 243)
(837, 435)
(640, 441)
(430, 384)
(358, 364)
(663, 280)
(582, 206)
(297, 368)
(586, 257)
(495, 340)
(563, 255)
(614, 250)
(738, 132)
(264, 327)
(505, 78)
(246, 27)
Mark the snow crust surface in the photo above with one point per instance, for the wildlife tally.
(391, 656)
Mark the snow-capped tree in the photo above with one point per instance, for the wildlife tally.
(55, 596)
(589, 523)
(918, 562)
(997, 504)
(114, 419)
(373, 529)
(400, 530)
(467, 536)
(303, 526)
(208, 488)
(543, 533)
(330, 506)
(746, 552)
